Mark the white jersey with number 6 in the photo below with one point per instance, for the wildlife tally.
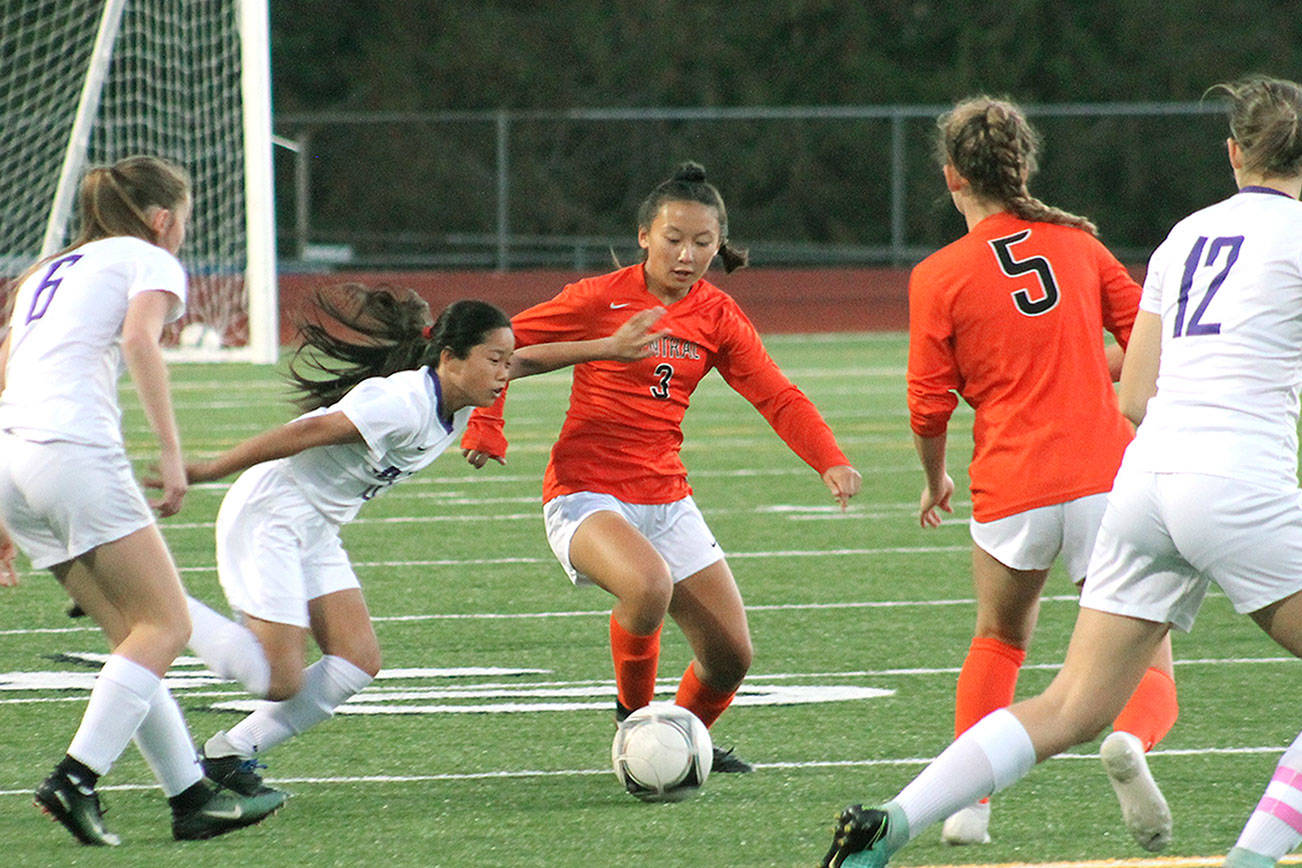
(65, 354)
(1227, 283)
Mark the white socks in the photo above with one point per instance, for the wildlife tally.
(228, 649)
(119, 701)
(1275, 826)
(164, 741)
(989, 756)
(326, 683)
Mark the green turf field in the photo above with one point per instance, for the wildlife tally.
(487, 739)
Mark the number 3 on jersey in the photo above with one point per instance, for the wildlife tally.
(664, 373)
(1195, 263)
(1049, 294)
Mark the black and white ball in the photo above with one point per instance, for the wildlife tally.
(662, 753)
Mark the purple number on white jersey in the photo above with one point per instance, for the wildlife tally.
(1196, 326)
(45, 290)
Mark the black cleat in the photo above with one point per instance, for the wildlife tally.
(726, 761)
(858, 830)
(235, 773)
(76, 806)
(225, 811)
(76, 611)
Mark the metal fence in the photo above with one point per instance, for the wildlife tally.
(822, 185)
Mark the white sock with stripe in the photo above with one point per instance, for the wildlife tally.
(1275, 827)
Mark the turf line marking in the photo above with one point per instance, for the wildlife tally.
(538, 773)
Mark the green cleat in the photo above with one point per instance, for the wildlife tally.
(224, 812)
(76, 806)
(1241, 858)
(235, 773)
(727, 762)
(859, 839)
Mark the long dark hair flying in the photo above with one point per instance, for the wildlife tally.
(354, 332)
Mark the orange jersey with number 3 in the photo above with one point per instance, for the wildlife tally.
(1011, 317)
(623, 429)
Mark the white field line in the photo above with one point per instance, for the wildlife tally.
(818, 764)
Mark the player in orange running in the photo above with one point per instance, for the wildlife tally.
(1011, 317)
(617, 507)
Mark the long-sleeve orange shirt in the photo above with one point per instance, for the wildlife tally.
(1011, 317)
(623, 430)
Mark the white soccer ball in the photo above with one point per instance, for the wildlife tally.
(199, 336)
(662, 753)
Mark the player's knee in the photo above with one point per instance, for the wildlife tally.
(285, 683)
(649, 593)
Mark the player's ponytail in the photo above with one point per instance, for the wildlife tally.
(115, 200)
(351, 333)
(1266, 121)
(990, 143)
(688, 184)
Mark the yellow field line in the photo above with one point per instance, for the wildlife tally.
(1154, 862)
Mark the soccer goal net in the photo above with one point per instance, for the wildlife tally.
(87, 82)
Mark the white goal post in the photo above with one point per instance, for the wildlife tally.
(87, 82)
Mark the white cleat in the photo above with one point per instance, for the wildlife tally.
(1143, 808)
(971, 825)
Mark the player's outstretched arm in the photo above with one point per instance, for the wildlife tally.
(281, 442)
(630, 342)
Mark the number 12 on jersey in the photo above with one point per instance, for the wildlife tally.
(1196, 269)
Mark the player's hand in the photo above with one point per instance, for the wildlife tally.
(633, 340)
(8, 575)
(934, 499)
(844, 483)
(477, 458)
(171, 480)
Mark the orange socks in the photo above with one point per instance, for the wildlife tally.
(700, 698)
(986, 682)
(636, 658)
(1152, 709)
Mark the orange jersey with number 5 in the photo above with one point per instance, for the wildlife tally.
(623, 430)
(1011, 317)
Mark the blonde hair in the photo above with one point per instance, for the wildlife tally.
(989, 142)
(115, 200)
(1266, 121)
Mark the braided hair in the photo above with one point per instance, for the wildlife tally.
(353, 332)
(989, 142)
(688, 184)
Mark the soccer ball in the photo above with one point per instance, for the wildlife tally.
(662, 753)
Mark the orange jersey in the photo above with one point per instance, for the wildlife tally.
(1011, 317)
(623, 429)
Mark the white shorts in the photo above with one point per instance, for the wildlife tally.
(1166, 535)
(1031, 540)
(60, 500)
(275, 551)
(677, 530)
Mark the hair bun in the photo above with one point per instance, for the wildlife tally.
(692, 172)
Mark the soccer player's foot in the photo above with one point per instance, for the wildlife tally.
(224, 811)
(1241, 858)
(1143, 807)
(76, 805)
(859, 839)
(75, 610)
(225, 766)
(971, 825)
(726, 761)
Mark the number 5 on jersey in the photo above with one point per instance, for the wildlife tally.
(1040, 266)
(1191, 283)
